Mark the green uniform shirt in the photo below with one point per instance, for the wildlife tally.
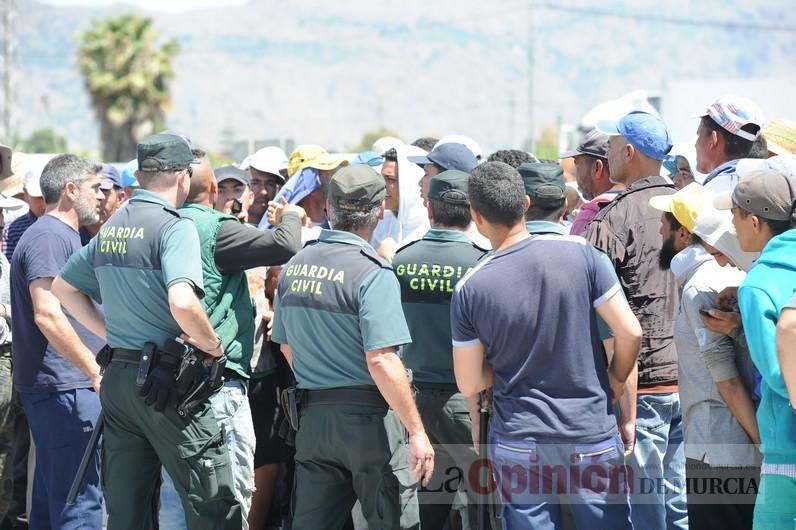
(545, 227)
(428, 271)
(337, 299)
(143, 249)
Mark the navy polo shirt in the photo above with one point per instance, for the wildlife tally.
(532, 307)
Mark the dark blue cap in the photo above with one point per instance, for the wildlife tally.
(448, 156)
(644, 131)
(110, 177)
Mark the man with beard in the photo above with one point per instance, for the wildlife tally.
(113, 196)
(720, 430)
(55, 372)
(627, 230)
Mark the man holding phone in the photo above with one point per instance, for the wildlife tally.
(234, 192)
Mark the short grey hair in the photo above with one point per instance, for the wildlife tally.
(62, 170)
(348, 221)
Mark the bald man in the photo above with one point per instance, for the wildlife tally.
(228, 249)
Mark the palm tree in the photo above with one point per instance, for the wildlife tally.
(127, 77)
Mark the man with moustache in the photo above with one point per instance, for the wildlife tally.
(55, 372)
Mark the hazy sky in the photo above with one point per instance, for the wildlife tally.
(154, 5)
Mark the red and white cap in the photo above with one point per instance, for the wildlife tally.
(732, 112)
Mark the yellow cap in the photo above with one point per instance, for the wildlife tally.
(313, 156)
(781, 137)
(685, 205)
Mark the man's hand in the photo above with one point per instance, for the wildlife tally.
(96, 380)
(727, 299)
(277, 209)
(627, 431)
(214, 351)
(421, 457)
(722, 322)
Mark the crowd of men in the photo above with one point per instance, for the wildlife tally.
(417, 336)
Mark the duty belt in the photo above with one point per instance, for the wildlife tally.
(437, 388)
(5, 350)
(126, 356)
(358, 395)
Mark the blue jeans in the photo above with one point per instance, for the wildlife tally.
(231, 407)
(534, 480)
(658, 491)
(61, 424)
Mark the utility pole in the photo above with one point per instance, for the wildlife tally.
(531, 61)
(9, 50)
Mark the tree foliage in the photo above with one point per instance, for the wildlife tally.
(44, 140)
(127, 76)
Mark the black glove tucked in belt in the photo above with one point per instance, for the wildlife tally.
(160, 387)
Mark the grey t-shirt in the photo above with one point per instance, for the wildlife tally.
(532, 307)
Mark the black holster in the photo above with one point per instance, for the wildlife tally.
(104, 358)
(290, 399)
(197, 377)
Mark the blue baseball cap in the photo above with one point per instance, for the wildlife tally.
(110, 177)
(369, 158)
(128, 175)
(448, 156)
(644, 131)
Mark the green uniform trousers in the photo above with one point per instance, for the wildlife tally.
(447, 423)
(137, 439)
(346, 452)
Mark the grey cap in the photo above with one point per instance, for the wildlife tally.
(356, 188)
(594, 143)
(232, 173)
(768, 193)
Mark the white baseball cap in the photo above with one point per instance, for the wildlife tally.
(32, 182)
(269, 159)
(715, 228)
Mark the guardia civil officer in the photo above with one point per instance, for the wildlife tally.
(353, 387)
(428, 271)
(145, 267)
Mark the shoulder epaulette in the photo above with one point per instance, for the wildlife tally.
(311, 242)
(172, 211)
(408, 245)
(375, 258)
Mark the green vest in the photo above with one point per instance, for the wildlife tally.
(227, 300)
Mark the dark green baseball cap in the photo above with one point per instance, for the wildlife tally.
(163, 152)
(356, 188)
(449, 186)
(543, 180)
